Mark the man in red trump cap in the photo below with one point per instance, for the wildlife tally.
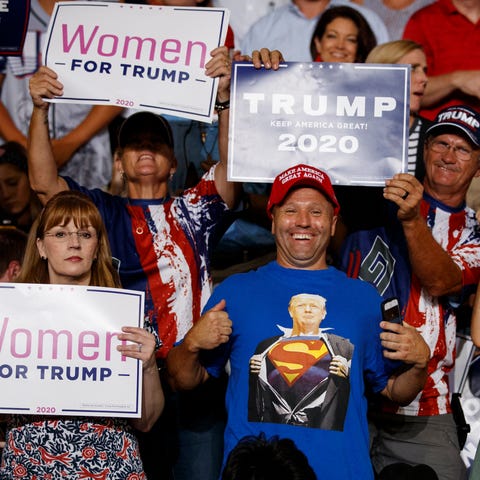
(294, 373)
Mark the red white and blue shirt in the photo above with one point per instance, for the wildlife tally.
(380, 256)
(163, 247)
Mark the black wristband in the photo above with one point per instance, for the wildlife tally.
(219, 106)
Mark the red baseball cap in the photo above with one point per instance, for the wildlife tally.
(301, 176)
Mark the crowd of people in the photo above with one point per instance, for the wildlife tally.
(286, 370)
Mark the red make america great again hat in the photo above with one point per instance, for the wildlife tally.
(301, 176)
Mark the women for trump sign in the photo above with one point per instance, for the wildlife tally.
(58, 351)
(138, 56)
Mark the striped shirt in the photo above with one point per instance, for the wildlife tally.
(380, 256)
(163, 248)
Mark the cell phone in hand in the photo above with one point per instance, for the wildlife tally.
(391, 310)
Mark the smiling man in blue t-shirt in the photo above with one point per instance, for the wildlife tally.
(246, 310)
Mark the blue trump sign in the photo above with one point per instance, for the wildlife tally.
(350, 120)
(13, 25)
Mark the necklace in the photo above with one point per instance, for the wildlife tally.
(139, 224)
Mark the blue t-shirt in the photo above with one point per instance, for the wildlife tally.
(293, 394)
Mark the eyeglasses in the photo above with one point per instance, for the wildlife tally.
(62, 236)
(461, 153)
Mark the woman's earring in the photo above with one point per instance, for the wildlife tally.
(43, 258)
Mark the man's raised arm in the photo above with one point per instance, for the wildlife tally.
(433, 265)
(220, 66)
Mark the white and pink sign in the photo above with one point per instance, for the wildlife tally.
(137, 56)
(58, 351)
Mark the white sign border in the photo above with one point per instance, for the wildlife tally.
(259, 179)
(208, 109)
(135, 411)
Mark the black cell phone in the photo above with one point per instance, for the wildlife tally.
(391, 310)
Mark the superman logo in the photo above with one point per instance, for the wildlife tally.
(294, 357)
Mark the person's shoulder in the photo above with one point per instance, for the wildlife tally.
(366, 11)
(97, 195)
(424, 122)
(205, 187)
(355, 285)
(244, 282)
(371, 16)
(424, 13)
(244, 278)
(276, 16)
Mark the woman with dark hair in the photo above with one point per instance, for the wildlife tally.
(341, 35)
(68, 244)
(19, 205)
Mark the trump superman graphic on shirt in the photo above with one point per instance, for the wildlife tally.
(301, 376)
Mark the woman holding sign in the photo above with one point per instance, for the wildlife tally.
(68, 245)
